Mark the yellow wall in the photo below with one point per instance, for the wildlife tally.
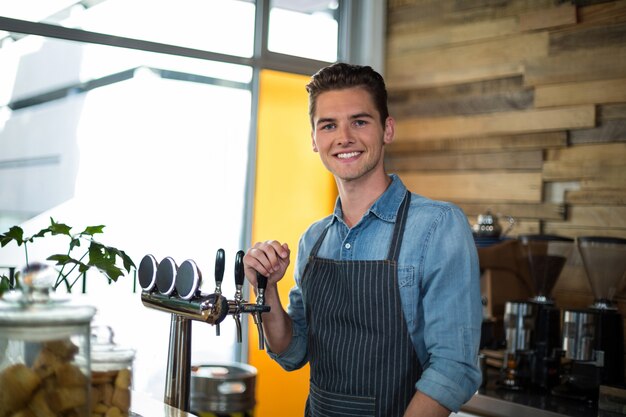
(293, 189)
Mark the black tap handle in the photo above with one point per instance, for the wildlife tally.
(220, 261)
(239, 274)
(261, 281)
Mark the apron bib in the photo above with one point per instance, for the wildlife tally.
(362, 359)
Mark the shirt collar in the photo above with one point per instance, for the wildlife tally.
(385, 207)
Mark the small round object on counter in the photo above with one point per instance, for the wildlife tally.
(223, 388)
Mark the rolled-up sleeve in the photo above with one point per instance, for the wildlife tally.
(295, 356)
(451, 311)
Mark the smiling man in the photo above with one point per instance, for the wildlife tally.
(386, 306)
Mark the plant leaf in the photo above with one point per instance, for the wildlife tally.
(128, 262)
(15, 233)
(40, 233)
(5, 284)
(92, 230)
(103, 258)
(59, 228)
(74, 243)
(111, 271)
(62, 259)
(96, 252)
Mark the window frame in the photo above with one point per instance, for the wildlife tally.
(351, 28)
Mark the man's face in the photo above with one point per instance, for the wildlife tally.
(348, 134)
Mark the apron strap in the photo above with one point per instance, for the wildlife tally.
(317, 245)
(398, 231)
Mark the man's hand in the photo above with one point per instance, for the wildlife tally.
(269, 258)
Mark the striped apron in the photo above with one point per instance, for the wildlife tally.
(362, 360)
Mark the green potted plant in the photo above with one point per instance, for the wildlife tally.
(83, 253)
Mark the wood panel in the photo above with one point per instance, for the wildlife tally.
(524, 160)
(474, 186)
(489, 59)
(599, 197)
(416, 129)
(586, 65)
(587, 37)
(583, 162)
(518, 211)
(410, 41)
(590, 92)
(525, 227)
(608, 131)
(562, 15)
(454, 75)
(514, 142)
(491, 86)
(597, 216)
(567, 230)
(419, 13)
(611, 112)
(465, 105)
(612, 177)
(609, 154)
(607, 12)
(589, 170)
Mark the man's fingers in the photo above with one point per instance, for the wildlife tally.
(257, 261)
(282, 250)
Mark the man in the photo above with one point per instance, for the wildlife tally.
(386, 306)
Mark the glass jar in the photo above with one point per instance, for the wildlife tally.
(44, 350)
(111, 375)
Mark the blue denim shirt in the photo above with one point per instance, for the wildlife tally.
(438, 278)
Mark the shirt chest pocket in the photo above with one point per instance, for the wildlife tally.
(409, 292)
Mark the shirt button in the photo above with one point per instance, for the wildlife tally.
(348, 246)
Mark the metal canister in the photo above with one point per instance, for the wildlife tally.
(223, 390)
(519, 323)
(579, 328)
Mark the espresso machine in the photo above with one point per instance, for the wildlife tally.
(175, 289)
(593, 338)
(532, 326)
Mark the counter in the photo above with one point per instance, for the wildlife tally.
(493, 401)
(146, 406)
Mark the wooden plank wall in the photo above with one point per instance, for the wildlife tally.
(517, 106)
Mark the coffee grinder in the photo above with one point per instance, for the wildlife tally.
(532, 327)
(593, 338)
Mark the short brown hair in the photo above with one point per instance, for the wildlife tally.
(339, 76)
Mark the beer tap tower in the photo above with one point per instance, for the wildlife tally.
(176, 290)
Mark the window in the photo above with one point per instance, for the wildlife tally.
(138, 114)
(197, 24)
(155, 147)
(307, 29)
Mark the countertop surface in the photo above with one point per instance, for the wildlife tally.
(146, 406)
(493, 400)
